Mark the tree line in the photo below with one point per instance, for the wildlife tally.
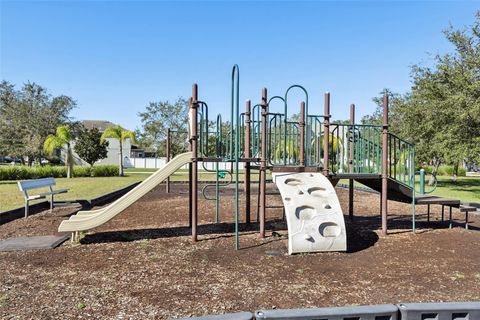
(35, 125)
(27, 117)
(441, 112)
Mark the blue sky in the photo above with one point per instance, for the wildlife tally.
(115, 57)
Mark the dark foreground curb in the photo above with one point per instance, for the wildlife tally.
(403, 311)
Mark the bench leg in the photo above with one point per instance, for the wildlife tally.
(26, 208)
(450, 226)
(443, 211)
(51, 203)
(466, 220)
(428, 213)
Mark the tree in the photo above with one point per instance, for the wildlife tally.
(120, 134)
(90, 147)
(441, 114)
(62, 138)
(156, 119)
(28, 116)
(11, 142)
(446, 99)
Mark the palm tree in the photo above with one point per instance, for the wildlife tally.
(62, 138)
(120, 134)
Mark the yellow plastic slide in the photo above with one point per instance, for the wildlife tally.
(85, 220)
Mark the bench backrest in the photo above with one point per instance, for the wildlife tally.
(25, 185)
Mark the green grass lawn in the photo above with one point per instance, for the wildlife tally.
(88, 188)
(467, 189)
(80, 188)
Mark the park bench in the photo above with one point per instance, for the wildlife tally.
(26, 185)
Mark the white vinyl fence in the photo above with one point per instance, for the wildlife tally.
(157, 163)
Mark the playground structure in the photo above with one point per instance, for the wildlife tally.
(266, 140)
(307, 156)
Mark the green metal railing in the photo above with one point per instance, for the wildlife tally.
(314, 141)
(255, 132)
(203, 129)
(355, 149)
(283, 138)
(401, 160)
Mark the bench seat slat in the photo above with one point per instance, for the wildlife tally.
(35, 197)
(54, 192)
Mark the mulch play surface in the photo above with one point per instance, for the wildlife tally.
(142, 264)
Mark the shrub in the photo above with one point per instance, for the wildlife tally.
(428, 169)
(105, 171)
(47, 171)
(25, 173)
(82, 171)
(445, 170)
(448, 171)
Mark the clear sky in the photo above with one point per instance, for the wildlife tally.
(113, 57)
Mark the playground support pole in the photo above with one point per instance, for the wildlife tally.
(352, 144)
(263, 164)
(190, 168)
(326, 133)
(302, 134)
(194, 137)
(167, 185)
(247, 155)
(413, 192)
(384, 165)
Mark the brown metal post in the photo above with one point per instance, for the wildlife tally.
(167, 186)
(384, 209)
(302, 134)
(247, 155)
(326, 133)
(194, 137)
(190, 169)
(350, 161)
(263, 164)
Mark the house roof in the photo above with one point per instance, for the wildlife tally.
(101, 125)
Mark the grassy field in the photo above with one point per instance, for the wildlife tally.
(87, 188)
(80, 188)
(467, 189)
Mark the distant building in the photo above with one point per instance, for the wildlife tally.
(113, 145)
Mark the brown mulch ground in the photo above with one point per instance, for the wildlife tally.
(142, 264)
